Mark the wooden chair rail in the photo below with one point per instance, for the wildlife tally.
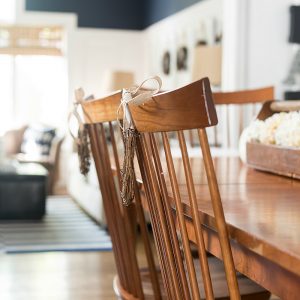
(243, 97)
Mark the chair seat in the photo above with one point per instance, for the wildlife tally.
(249, 290)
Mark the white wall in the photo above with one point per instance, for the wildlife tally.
(182, 28)
(257, 52)
(235, 24)
(269, 53)
(93, 52)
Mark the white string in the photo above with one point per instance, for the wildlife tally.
(136, 97)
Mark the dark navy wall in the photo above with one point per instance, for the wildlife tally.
(156, 10)
(115, 14)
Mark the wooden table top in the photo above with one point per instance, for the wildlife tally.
(262, 210)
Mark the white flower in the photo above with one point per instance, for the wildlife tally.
(267, 134)
(288, 132)
(253, 131)
(281, 129)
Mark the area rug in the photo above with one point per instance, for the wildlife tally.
(65, 227)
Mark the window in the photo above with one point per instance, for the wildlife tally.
(33, 76)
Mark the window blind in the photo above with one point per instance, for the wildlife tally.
(31, 40)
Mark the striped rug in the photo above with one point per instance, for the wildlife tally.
(65, 227)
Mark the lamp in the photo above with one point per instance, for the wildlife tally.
(116, 80)
(207, 63)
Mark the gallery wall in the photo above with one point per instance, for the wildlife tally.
(202, 20)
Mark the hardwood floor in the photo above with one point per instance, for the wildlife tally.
(57, 276)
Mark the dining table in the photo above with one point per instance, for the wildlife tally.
(262, 212)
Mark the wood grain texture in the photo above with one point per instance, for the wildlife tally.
(246, 101)
(175, 110)
(268, 274)
(122, 220)
(248, 289)
(244, 97)
(261, 209)
(102, 110)
(274, 159)
(262, 215)
(59, 276)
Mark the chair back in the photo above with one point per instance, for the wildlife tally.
(235, 111)
(190, 107)
(107, 147)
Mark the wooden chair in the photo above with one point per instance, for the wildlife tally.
(131, 282)
(190, 107)
(244, 105)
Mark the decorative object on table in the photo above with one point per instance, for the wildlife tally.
(272, 142)
(166, 62)
(181, 58)
(65, 228)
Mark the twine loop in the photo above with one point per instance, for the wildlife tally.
(136, 96)
(82, 139)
